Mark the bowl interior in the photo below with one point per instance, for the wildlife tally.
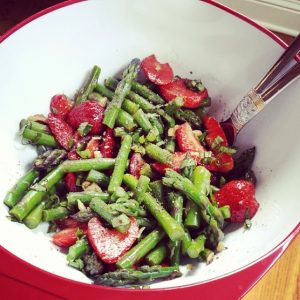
(54, 53)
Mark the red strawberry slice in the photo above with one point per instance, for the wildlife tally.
(69, 223)
(60, 105)
(177, 88)
(89, 111)
(186, 139)
(177, 160)
(222, 162)
(72, 155)
(214, 129)
(157, 72)
(110, 244)
(240, 196)
(136, 164)
(62, 131)
(67, 237)
(70, 181)
(108, 144)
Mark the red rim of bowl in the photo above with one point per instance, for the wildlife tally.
(275, 253)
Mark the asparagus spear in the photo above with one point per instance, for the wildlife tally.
(157, 123)
(121, 222)
(104, 91)
(142, 186)
(14, 194)
(125, 120)
(192, 219)
(157, 255)
(141, 118)
(145, 222)
(158, 154)
(170, 120)
(201, 180)
(186, 241)
(213, 233)
(98, 177)
(35, 195)
(98, 164)
(49, 159)
(147, 171)
(144, 104)
(146, 93)
(138, 115)
(92, 265)
(102, 100)
(120, 165)
(157, 191)
(85, 197)
(39, 138)
(89, 86)
(35, 216)
(170, 145)
(187, 115)
(130, 106)
(177, 181)
(55, 213)
(196, 246)
(225, 210)
(205, 102)
(173, 106)
(140, 249)
(176, 205)
(35, 126)
(141, 275)
(121, 91)
(171, 227)
(75, 252)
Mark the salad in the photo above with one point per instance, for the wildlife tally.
(133, 176)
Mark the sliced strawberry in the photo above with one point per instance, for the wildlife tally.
(69, 223)
(62, 131)
(93, 146)
(108, 144)
(67, 237)
(89, 111)
(72, 155)
(70, 181)
(136, 164)
(110, 244)
(176, 162)
(157, 72)
(222, 162)
(240, 196)
(214, 130)
(186, 139)
(178, 88)
(60, 105)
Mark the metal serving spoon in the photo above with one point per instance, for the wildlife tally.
(275, 81)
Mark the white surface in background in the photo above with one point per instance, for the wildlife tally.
(277, 15)
(53, 54)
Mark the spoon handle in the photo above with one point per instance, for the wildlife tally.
(282, 83)
(255, 100)
(287, 56)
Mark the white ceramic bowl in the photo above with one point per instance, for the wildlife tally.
(53, 54)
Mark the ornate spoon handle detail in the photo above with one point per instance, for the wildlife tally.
(248, 107)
